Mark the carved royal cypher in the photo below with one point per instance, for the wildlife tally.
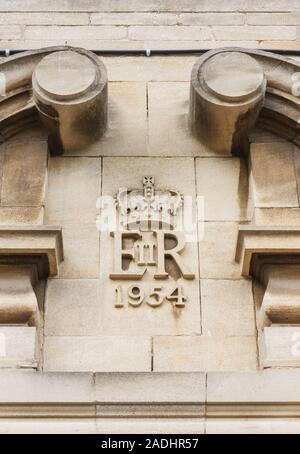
(147, 243)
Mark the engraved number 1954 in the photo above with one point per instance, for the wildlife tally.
(135, 296)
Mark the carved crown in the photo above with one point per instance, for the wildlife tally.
(147, 208)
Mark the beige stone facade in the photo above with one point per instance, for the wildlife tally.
(187, 319)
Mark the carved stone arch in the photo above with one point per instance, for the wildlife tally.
(232, 89)
(64, 87)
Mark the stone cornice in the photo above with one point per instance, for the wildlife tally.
(32, 245)
(258, 245)
(26, 394)
(272, 105)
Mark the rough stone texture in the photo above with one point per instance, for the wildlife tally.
(161, 387)
(268, 386)
(273, 186)
(223, 184)
(226, 305)
(277, 216)
(169, 132)
(217, 251)
(21, 215)
(69, 202)
(24, 179)
(194, 353)
(81, 252)
(281, 347)
(70, 94)
(72, 307)
(97, 353)
(17, 346)
(127, 117)
(252, 426)
(148, 103)
(139, 24)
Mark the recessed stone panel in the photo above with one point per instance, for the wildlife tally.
(141, 306)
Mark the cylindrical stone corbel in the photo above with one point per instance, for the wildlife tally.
(70, 93)
(226, 95)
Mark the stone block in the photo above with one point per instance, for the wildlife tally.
(10, 32)
(73, 188)
(154, 5)
(72, 307)
(24, 180)
(62, 18)
(227, 307)
(170, 174)
(30, 386)
(169, 131)
(273, 185)
(161, 33)
(204, 353)
(272, 18)
(252, 426)
(67, 32)
(277, 216)
(26, 426)
(150, 426)
(269, 386)
(217, 250)
(127, 117)
(81, 252)
(134, 18)
(255, 32)
(141, 69)
(213, 18)
(151, 388)
(17, 346)
(223, 184)
(281, 346)
(257, 135)
(21, 215)
(97, 353)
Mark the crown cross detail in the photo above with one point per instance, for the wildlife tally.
(147, 208)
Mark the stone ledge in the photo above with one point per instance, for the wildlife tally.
(255, 388)
(27, 244)
(268, 394)
(258, 242)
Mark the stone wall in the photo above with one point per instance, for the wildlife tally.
(140, 24)
(200, 366)
(147, 132)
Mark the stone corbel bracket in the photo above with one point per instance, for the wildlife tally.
(27, 254)
(64, 87)
(232, 89)
(271, 256)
